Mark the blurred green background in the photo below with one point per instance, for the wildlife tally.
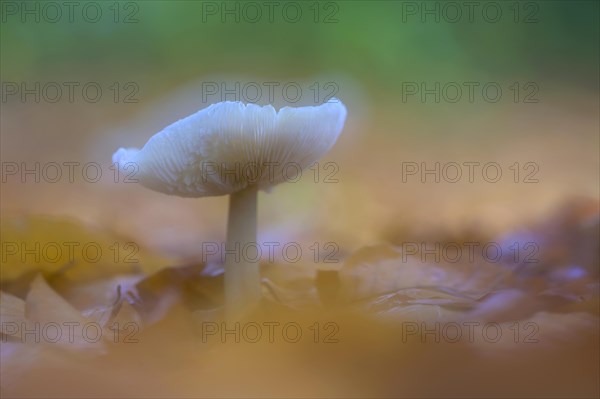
(379, 43)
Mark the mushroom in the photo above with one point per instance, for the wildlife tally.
(236, 149)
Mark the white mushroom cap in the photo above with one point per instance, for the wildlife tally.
(230, 145)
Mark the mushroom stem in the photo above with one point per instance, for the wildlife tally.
(242, 276)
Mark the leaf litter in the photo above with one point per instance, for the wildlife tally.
(370, 296)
